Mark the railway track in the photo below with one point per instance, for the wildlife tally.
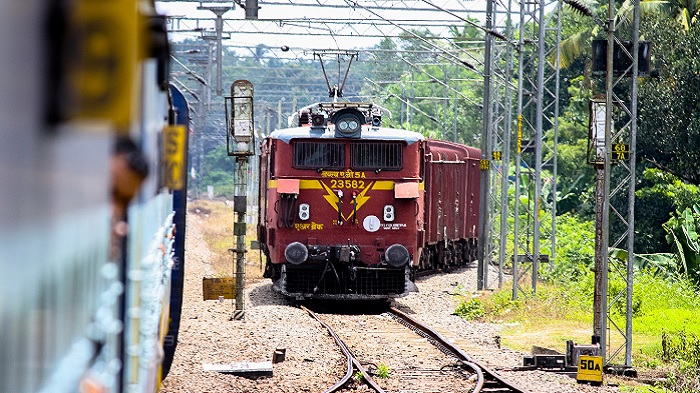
(488, 380)
(479, 379)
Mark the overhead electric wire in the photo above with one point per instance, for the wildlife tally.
(420, 38)
(375, 7)
(436, 80)
(429, 116)
(189, 71)
(471, 23)
(377, 21)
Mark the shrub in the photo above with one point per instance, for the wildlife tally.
(382, 371)
(470, 309)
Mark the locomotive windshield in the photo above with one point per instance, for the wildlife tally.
(319, 155)
(364, 156)
(376, 156)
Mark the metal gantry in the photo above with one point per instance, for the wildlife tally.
(536, 139)
(615, 226)
(499, 85)
(537, 100)
(520, 113)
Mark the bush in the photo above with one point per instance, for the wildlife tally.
(470, 309)
(683, 349)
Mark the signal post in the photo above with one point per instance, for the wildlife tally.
(240, 144)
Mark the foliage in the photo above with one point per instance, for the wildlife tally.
(555, 311)
(470, 309)
(668, 131)
(217, 171)
(406, 90)
(658, 195)
(382, 371)
(662, 306)
(683, 232)
(575, 249)
(662, 264)
(666, 303)
(575, 178)
(358, 376)
(682, 348)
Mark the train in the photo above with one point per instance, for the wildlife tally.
(353, 210)
(92, 197)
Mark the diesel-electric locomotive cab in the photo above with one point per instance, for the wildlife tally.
(341, 204)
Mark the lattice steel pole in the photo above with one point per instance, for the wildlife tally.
(618, 224)
(537, 109)
(485, 248)
(501, 123)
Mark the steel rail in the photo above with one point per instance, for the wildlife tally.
(352, 360)
(483, 372)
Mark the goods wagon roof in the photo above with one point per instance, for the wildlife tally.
(368, 132)
(442, 150)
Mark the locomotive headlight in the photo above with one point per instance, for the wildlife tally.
(296, 253)
(396, 255)
(389, 213)
(304, 211)
(348, 125)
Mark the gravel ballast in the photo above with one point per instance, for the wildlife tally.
(313, 362)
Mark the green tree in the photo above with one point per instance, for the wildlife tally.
(217, 171)
(683, 234)
(427, 73)
(657, 196)
(669, 133)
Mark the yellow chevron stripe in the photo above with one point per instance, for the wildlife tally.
(310, 185)
(387, 185)
(303, 184)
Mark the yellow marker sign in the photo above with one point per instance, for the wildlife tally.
(590, 369)
(106, 37)
(215, 287)
(519, 140)
(621, 151)
(174, 156)
(484, 165)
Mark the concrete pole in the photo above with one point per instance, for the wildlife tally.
(240, 206)
(219, 52)
(279, 113)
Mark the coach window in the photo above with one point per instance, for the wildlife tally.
(376, 156)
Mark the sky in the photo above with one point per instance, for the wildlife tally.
(322, 24)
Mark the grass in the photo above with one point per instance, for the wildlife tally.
(218, 219)
(666, 330)
(546, 320)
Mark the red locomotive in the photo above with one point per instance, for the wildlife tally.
(351, 210)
